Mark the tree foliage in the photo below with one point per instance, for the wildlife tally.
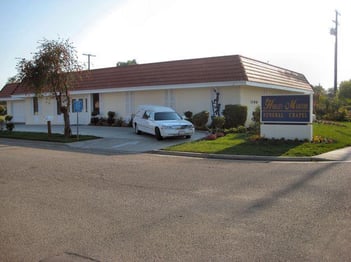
(129, 62)
(11, 80)
(330, 107)
(52, 70)
(345, 91)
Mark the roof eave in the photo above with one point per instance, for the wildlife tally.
(174, 86)
(280, 87)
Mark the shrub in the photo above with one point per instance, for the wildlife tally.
(10, 126)
(211, 137)
(200, 120)
(2, 110)
(241, 129)
(340, 115)
(189, 115)
(256, 117)
(119, 121)
(8, 118)
(111, 117)
(218, 122)
(94, 120)
(2, 121)
(235, 115)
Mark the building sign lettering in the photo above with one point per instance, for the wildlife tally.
(286, 109)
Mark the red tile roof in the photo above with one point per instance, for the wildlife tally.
(260, 72)
(8, 90)
(201, 70)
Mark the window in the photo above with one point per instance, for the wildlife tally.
(146, 115)
(159, 116)
(35, 105)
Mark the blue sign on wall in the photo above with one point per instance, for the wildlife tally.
(78, 105)
(286, 109)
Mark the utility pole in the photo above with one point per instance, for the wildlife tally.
(334, 31)
(89, 55)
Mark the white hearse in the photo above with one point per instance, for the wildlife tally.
(161, 122)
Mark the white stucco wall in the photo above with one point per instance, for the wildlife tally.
(113, 102)
(125, 103)
(229, 96)
(47, 110)
(194, 100)
(153, 97)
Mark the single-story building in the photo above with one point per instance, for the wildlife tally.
(184, 85)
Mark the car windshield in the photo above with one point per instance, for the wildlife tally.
(167, 116)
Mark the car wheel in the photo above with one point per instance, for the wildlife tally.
(158, 134)
(137, 131)
(187, 137)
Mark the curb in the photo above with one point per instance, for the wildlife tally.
(241, 157)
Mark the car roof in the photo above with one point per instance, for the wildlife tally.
(155, 108)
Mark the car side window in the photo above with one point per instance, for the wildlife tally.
(146, 115)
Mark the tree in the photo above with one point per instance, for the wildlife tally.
(129, 62)
(320, 98)
(345, 91)
(11, 80)
(54, 69)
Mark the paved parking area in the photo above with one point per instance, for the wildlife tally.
(113, 139)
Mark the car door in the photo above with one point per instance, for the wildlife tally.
(144, 122)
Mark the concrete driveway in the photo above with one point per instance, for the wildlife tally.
(113, 139)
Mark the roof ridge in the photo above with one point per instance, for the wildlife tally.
(164, 62)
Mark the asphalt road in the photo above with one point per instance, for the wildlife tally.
(70, 206)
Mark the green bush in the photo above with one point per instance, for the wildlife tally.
(2, 110)
(119, 121)
(340, 115)
(8, 118)
(2, 121)
(235, 115)
(10, 126)
(111, 117)
(200, 120)
(218, 122)
(189, 115)
(256, 118)
(241, 129)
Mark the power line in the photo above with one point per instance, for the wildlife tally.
(89, 55)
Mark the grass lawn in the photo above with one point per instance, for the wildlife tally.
(332, 137)
(44, 136)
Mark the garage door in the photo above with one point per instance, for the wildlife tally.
(18, 111)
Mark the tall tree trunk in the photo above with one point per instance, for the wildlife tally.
(67, 131)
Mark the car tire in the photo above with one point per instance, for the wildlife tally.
(188, 137)
(158, 134)
(137, 131)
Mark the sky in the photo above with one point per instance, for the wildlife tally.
(291, 34)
